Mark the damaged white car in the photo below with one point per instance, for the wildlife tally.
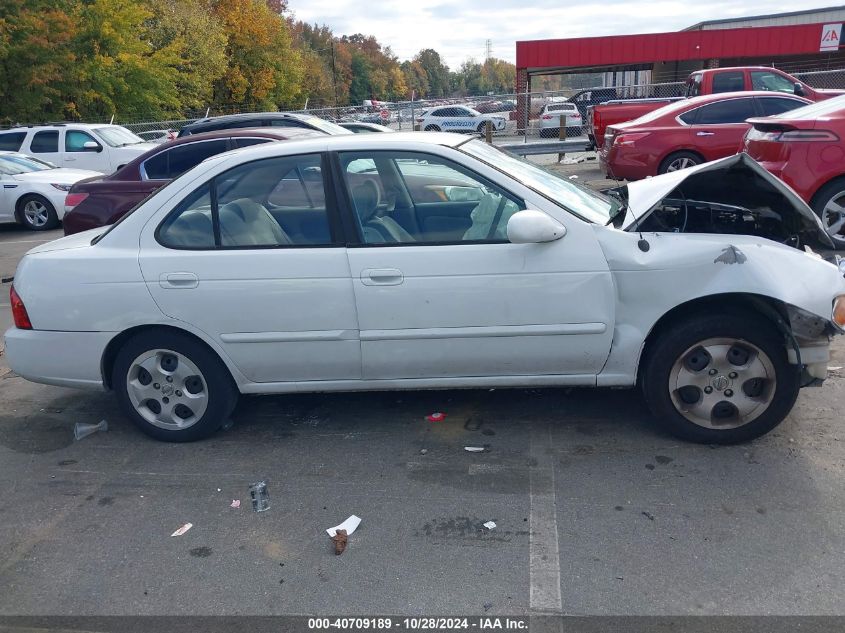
(418, 261)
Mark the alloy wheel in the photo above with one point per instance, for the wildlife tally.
(36, 213)
(833, 217)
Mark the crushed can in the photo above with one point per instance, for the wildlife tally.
(260, 497)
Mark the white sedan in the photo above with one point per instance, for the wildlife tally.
(33, 191)
(421, 261)
(452, 118)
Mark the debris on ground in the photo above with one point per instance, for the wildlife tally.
(260, 496)
(183, 529)
(648, 515)
(437, 416)
(82, 430)
(349, 526)
(340, 539)
(423, 451)
(489, 525)
(474, 449)
(236, 503)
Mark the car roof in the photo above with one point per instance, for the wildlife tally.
(249, 115)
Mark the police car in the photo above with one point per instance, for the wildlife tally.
(452, 118)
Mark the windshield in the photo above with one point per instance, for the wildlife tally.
(584, 203)
(117, 136)
(326, 126)
(12, 164)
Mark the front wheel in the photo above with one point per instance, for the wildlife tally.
(172, 387)
(719, 378)
(36, 213)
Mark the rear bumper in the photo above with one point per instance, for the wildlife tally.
(64, 359)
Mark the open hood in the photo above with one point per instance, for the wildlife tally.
(732, 195)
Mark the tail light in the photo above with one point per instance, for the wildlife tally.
(19, 314)
(629, 138)
(72, 200)
(420, 120)
(786, 135)
(546, 117)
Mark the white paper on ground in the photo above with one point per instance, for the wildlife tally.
(183, 529)
(474, 449)
(350, 525)
(490, 525)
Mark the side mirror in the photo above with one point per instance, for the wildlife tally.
(799, 89)
(92, 146)
(533, 227)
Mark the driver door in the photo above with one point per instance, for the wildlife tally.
(76, 155)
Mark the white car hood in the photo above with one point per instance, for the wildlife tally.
(644, 195)
(61, 176)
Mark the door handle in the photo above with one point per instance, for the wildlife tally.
(704, 133)
(69, 159)
(178, 280)
(382, 277)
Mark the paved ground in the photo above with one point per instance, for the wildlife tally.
(596, 511)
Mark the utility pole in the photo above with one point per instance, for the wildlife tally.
(488, 49)
(334, 76)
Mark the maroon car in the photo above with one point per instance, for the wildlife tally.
(102, 200)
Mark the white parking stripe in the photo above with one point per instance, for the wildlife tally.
(544, 555)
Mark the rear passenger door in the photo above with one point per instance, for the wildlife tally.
(240, 259)
(719, 127)
(44, 144)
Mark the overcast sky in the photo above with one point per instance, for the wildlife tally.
(458, 29)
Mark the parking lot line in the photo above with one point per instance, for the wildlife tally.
(544, 554)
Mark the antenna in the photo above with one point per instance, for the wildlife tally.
(488, 49)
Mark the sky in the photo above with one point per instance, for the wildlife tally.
(459, 29)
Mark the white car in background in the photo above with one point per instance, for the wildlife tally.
(453, 118)
(363, 262)
(99, 147)
(32, 192)
(551, 115)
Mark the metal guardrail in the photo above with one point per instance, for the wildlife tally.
(554, 147)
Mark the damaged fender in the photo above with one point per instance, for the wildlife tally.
(677, 268)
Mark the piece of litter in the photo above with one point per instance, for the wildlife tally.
(490, 525)
(340, 539)
(436, 417)
(218, 490)
(236, 503)
(82, 430)
(350, 525)
(423, 451)
(260, 496)
(573, 177)
(474, 449)
(648, 515)
(183, 529)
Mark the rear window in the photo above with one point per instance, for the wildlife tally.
(11, 141)
(730, 81)
(176, 161)
(45, 142)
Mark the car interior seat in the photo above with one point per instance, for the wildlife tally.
(376, 230)
(245, 222)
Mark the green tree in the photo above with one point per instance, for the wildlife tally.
(359, 89)
(436, 72)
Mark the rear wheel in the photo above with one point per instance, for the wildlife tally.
(679, 160)
(719, 378)
(172, 387)
(37, 213)
(829, 205)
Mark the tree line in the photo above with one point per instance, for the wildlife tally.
(134, 59)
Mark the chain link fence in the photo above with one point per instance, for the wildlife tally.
(514, 117)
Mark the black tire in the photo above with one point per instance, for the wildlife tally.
(831, 191)
(432, 128)
(672, 343)
(694, 158)
(548, 132)
(52, 219)
(222, 394)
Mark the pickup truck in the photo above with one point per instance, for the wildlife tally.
(702, 82)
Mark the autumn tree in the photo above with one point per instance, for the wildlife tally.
(263, 71)
(436, 72)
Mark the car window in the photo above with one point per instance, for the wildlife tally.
(75, 140)
(777, 105)
(11, 141)
(247, 142)
(412, 198)
(439, 112)
(694, 86)
(45, 142)
(721, 112)
(729, 81)
(176, 161)
(286, 123)
(274, 202)
(767, 80)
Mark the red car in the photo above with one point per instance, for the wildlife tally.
(102, 200)
(805, 149)
(686, 133)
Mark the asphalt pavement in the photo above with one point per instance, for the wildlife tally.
(596, 511)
